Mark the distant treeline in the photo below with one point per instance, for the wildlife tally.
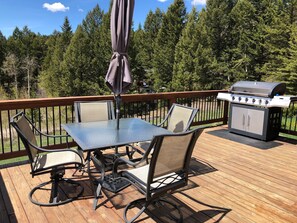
(229, 40)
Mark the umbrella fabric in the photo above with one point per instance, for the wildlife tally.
(118, 77)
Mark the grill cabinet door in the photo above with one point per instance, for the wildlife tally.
(255, 121)
(239, 115)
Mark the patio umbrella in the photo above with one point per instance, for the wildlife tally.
(118, 77)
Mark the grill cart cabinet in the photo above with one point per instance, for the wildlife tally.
(257, 122)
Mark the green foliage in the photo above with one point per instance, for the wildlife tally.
(57, 45)
(227, 41)
(164, 48)
(289, 69)
(184, 74)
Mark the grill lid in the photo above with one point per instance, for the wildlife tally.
(262, 89)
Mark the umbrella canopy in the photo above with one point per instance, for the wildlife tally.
(118, 77)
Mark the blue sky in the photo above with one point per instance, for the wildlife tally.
(45, 16)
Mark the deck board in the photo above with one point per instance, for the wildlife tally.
(230, 181)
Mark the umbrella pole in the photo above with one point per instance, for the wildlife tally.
(118, 107)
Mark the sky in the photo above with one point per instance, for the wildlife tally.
(45, 16)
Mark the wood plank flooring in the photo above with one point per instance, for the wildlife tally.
(232, 180)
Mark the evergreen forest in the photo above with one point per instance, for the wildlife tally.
(176, 50)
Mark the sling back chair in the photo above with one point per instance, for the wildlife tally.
(178, 119)
(92, 111)
(45, 161)
(166, 172)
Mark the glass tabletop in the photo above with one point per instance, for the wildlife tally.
(96, 135)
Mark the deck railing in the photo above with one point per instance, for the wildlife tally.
(49, 113)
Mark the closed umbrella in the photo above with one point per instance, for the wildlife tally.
(118, 77)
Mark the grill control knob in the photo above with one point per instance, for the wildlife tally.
(253, 100)
(246, 99)
(260, 101)
(233, 98)
(266, 102)
(239, 99)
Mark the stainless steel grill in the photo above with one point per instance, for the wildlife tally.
(263, 94)
(255, 108)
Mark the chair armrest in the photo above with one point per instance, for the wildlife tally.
(39, 149)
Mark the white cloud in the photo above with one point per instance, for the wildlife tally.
(55, 7)
(162, 0)
(80, 10)
(198, 2)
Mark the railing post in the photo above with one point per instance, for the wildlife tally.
(225, 116)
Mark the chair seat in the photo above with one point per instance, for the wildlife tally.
(141, 175)
(45, 161)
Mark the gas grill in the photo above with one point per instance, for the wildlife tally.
(255, 108)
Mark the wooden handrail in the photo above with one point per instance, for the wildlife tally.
(47, 102)
(43, 110)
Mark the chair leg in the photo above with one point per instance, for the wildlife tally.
(84, 168)
(97, 195)
(132, 204)
(56, 179)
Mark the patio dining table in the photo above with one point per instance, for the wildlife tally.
(91, 136)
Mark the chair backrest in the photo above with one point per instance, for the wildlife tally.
(91, 111)
(22, 125)
(172, 154)
(180, 118)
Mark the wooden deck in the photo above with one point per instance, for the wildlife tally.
(233, 179)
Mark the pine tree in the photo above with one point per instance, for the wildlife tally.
(219, 26)
(184, 75)
(11, 67)
(289, 69)
(136, 51)
(276, 35)
(92, 26)
(105, 50)
(66, 34)
(203, 56)
(246, 37)
(49, 80)
(290, 7)
(151, 28)
(76, 76)
(2, 57)
(164, 48)
(57, 45)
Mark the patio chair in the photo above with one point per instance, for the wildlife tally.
(92, 111)
(167, 171)
(178, 119)
(45, 161)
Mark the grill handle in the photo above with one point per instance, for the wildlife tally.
(249, 120)
(248, 93)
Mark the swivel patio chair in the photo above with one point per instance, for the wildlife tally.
(45, 161)
(167, 171)
(178, 119)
